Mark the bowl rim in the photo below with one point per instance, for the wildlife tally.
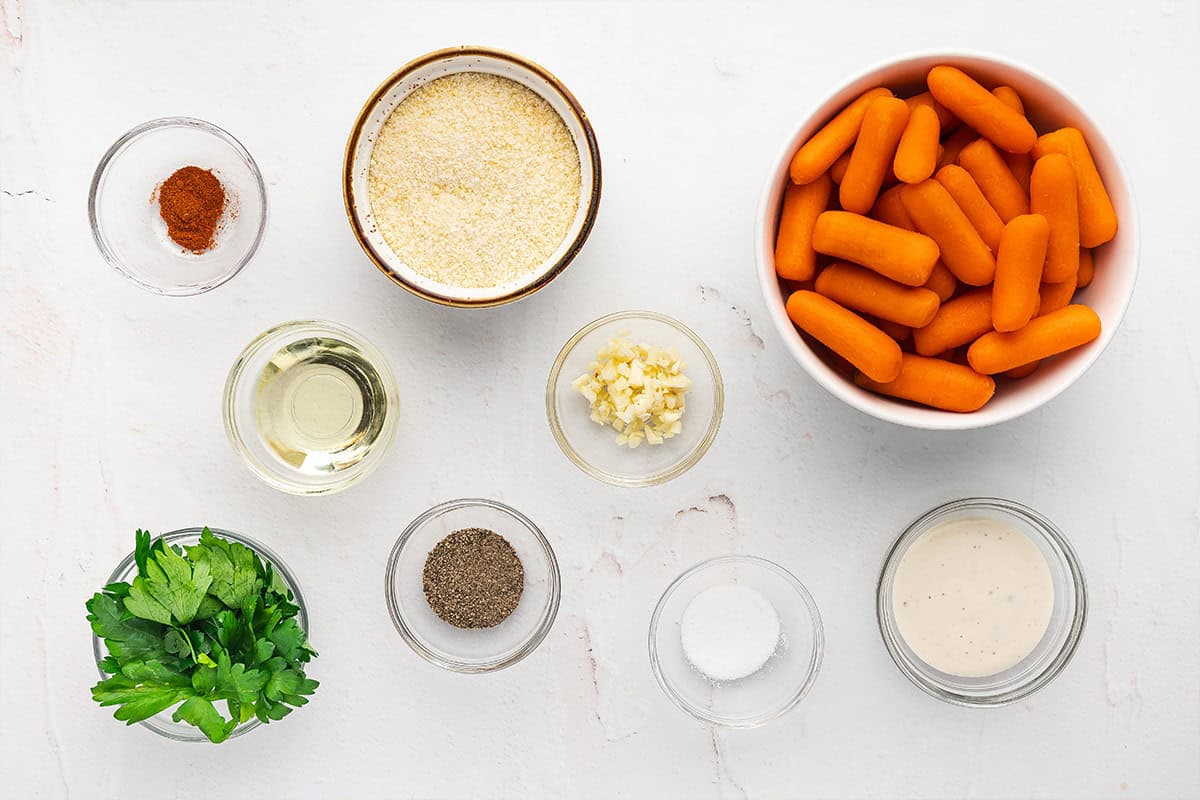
(888, 409)
(237, 373)
(1070, 559)
(690, 459)
(592, 201)
(118, 146)
(531, 643)
(263, 552)
(814, 662)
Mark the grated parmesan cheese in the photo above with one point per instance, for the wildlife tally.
(474, 180)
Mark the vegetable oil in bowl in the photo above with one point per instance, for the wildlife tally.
(320, 405)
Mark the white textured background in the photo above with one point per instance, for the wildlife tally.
(110, 418)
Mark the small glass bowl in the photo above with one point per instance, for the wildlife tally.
(1048, 657)
(593, 447)
(758, 698)
(126, 571)
(238, 409)
(125, 218)
(479, 649)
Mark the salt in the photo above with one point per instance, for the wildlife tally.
(729, 631)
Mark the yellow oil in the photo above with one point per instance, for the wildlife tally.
(320, 405)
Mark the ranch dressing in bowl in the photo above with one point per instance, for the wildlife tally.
(973, 597)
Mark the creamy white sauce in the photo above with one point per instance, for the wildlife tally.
(972, 597)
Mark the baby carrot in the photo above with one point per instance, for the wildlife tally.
(995, 179)
(1019, 271)
(818, 154)
(1024, 371)
(937, 383)
(837, 170)
(882, 126)
(901, 333)
(916, 155)
(1021, 166)
(946, 120)
(904, 256)
(795, 258)
(1097, 218)
(869, 349)
(954, 144)
(967, 194)
(864, 290)
(938, 216)
(1052, 194)
(959, 321)
(890, 209)
(1087, 268)
(1010, 98)
(1056, 295)
(1043, 337)
(980, 109)
(942, 282)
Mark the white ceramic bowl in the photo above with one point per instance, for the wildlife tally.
(1049, 107)
(384, 101)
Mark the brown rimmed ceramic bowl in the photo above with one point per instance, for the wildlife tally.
(384, 100)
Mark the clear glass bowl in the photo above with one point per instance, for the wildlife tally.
(125, 220)
(479, 649)
(758, 698)
(161, 723)
(1048, 657)
(239, 410)
(592, 447)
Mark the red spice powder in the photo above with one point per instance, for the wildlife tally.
(191, 202)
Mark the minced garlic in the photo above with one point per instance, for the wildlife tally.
(474, 180)
(636, 389)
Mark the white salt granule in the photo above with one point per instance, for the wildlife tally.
(474, 180)
(729, 631)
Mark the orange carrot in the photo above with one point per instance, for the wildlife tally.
(937, 383)
(1043, 337)
(1097, 218)
(980, 109)
(942, 282)
(1019, 265)
(1021, 166)
(1010, 98)
(967, 194)
(1087, 268)
(866, 291)
(837, 170)
(946, 120)
(889, 208)
(869, 349)
(795, 258)
(1056, 295)
(959, 321)
(916, 155)
(1052, 194)
(995, 179)
(903, 256)
(882, 126)
(954, 144)
(901, 333)
(1023, 372)
(938, 216)
(818, 154)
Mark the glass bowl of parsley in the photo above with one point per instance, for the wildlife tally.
(201, 635)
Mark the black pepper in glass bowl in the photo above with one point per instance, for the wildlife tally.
(472, 585)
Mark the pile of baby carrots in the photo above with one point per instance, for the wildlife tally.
(936, 241)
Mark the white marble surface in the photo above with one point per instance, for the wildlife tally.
(109, 402)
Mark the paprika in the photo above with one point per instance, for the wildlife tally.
(191, 203)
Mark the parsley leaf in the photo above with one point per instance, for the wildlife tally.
(197, 626)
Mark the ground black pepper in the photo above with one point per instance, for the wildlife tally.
(473, 578)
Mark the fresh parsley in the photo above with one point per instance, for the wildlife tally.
(199, 625)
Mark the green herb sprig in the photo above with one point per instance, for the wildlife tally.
(199, 625)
